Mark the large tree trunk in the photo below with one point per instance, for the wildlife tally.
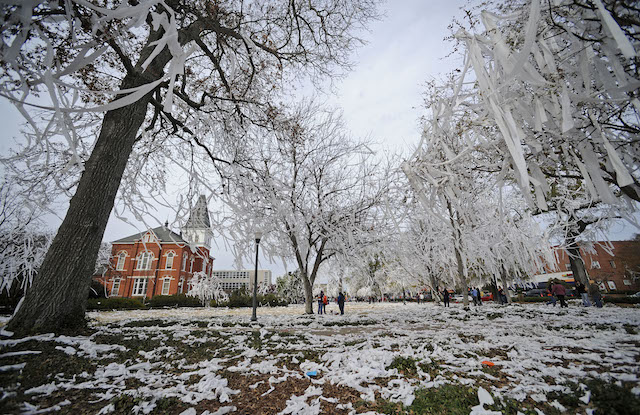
(457, 243)
(463, 280)
(577, 265)
(503, 277)
(308, 295)
(56, 301)
(435, 294)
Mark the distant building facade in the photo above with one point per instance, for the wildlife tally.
(160, 261)
(618, 270)
(232, 280)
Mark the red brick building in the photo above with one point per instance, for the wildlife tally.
(160, 261)
(617, 270)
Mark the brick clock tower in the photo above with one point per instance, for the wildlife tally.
(160, 261)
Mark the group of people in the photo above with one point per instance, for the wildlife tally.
(476, 295)
(559, 291)
(323, 301)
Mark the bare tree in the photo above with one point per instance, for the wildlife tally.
(186, 70)
(311, 189)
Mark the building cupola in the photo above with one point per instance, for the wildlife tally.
(197, 231)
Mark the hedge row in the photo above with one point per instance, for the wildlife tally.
(177, 300)
(114, 303)
(237, 299)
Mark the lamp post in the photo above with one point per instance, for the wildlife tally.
(255, 279)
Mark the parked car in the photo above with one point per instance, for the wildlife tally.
(536, 292)
(457, 298)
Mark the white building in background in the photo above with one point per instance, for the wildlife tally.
(234, 280)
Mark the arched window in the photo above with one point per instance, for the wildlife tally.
(122, 256)
(191, 266)
(169, 263)
(144, 260)
(184, 262)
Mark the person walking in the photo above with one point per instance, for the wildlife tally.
(445, 297)
(594, 291)
(321, 303)
(341, 302)
(552, 300)
(559, 291)
(502, 298)
(479, 296)
(580, 289)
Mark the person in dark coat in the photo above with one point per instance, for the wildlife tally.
(594, 291)
(341, 302)
(445, 297)
(581, 289)
(552, 299)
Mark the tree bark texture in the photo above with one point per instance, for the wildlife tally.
(457, 247)
(56, 301)
(577, 266)
(503, 277)
(308, 295)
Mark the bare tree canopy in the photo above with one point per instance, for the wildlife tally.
(314, 192)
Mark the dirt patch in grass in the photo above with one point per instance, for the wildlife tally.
(251, 401)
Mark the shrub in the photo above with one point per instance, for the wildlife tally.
(176, 300)
(240, 298)
(114, 303)
(271, 300)
(243, 298)
(96, 290)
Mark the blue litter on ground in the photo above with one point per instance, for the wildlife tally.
(312, 373)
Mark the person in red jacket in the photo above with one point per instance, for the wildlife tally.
(559, 291)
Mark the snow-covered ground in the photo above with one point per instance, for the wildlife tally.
(196, 361)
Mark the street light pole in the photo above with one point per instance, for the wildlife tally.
(255, 280)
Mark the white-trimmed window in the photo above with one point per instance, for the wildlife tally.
(122, 256)
(612, 285)
(626, 282)
(148, 237)
(139, 286)
(144, 260)
(595, 265)
(612, 263)
(115, 288)
(191, 266)
(180, 285)
(184, 262)
(169, 262)
(166, 284)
